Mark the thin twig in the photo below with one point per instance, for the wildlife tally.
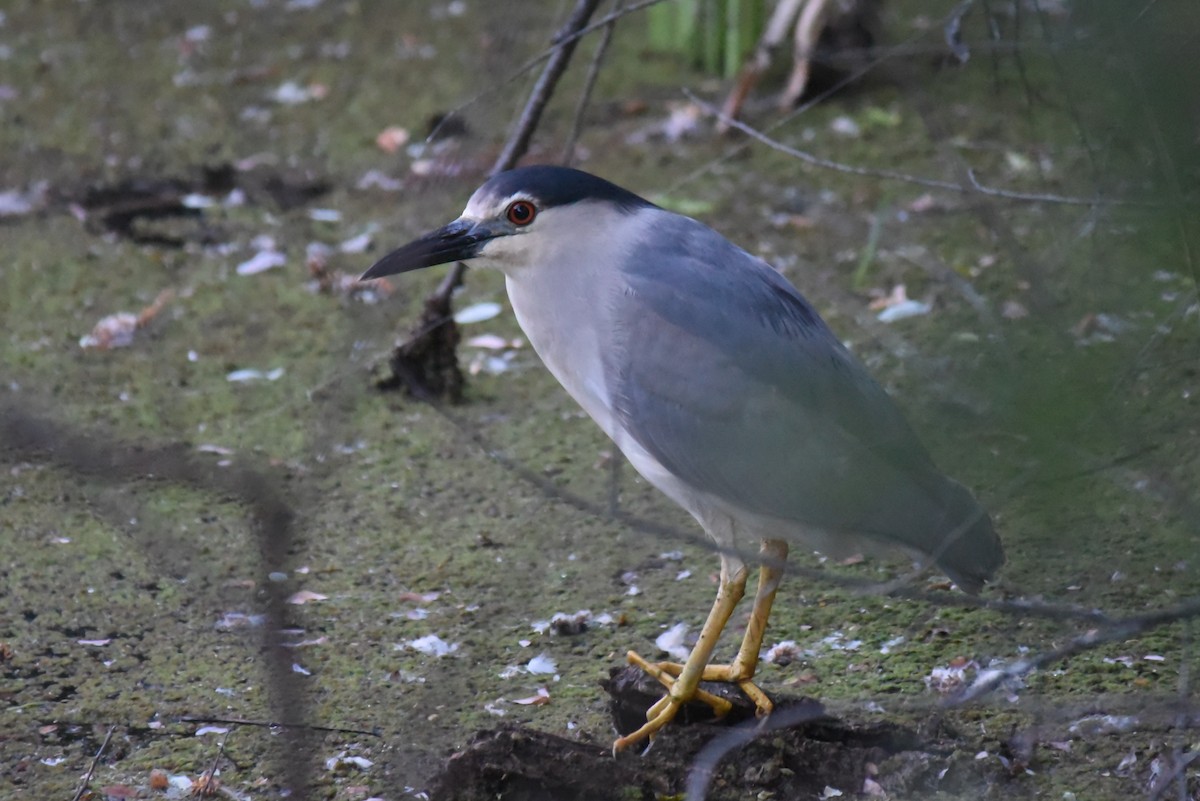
(565, 41)
(87, 777)
(1080, 39)
(971, 187)
(538, 59)
(275, 724)
(589, 84)
(207, 778)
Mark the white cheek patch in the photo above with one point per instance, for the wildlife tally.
(502, 249)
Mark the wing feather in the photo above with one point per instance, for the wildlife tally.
(732, 381)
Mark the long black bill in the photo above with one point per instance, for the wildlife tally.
(456, 241)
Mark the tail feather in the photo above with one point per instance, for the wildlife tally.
(969, 551)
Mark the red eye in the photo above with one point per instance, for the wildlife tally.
(521, 212)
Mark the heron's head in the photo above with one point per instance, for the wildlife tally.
(518, 219)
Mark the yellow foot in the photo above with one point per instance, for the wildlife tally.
(662, 712)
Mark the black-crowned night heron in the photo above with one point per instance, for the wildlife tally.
(721, 385)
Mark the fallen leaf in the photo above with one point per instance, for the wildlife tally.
(392, 138)
(541, 699)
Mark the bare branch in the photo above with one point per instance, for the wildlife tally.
(549, 52)
(87, 777)
(972, 187)
(588, 85)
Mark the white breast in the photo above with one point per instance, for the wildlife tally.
(564, 305)
(563, 291)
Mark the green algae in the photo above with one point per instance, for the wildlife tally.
(394, 497)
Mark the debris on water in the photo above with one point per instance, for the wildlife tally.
(306, 643)
(317, 257)
(203, 730)
(117, 330)
(488, 360)
(419, 597)
(542, 664)
(195, 200)
(342, 763)
(262, 261)
(239, 620)
(15, 202)
(1013, 310)
(901, 311)
(671, 641)
(541, 699)
(250, 374)
(683, 121)
(477, 313)
(376, 179)
(896, 305)
(570, 624)
(113, 331)
(1093, 725)
(489, 342)
(358, 244)
(430, 645)
(845, 126)
(1099, 327)
(305, 596)
(923, 203)
(492, 365)
(838, 642)
(783, 653)
(951, 678)
(291, 93)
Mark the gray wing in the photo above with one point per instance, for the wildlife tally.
(732, 381)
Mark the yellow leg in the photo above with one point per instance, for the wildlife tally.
(683, 688)
(682, 681)
(774, 554)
